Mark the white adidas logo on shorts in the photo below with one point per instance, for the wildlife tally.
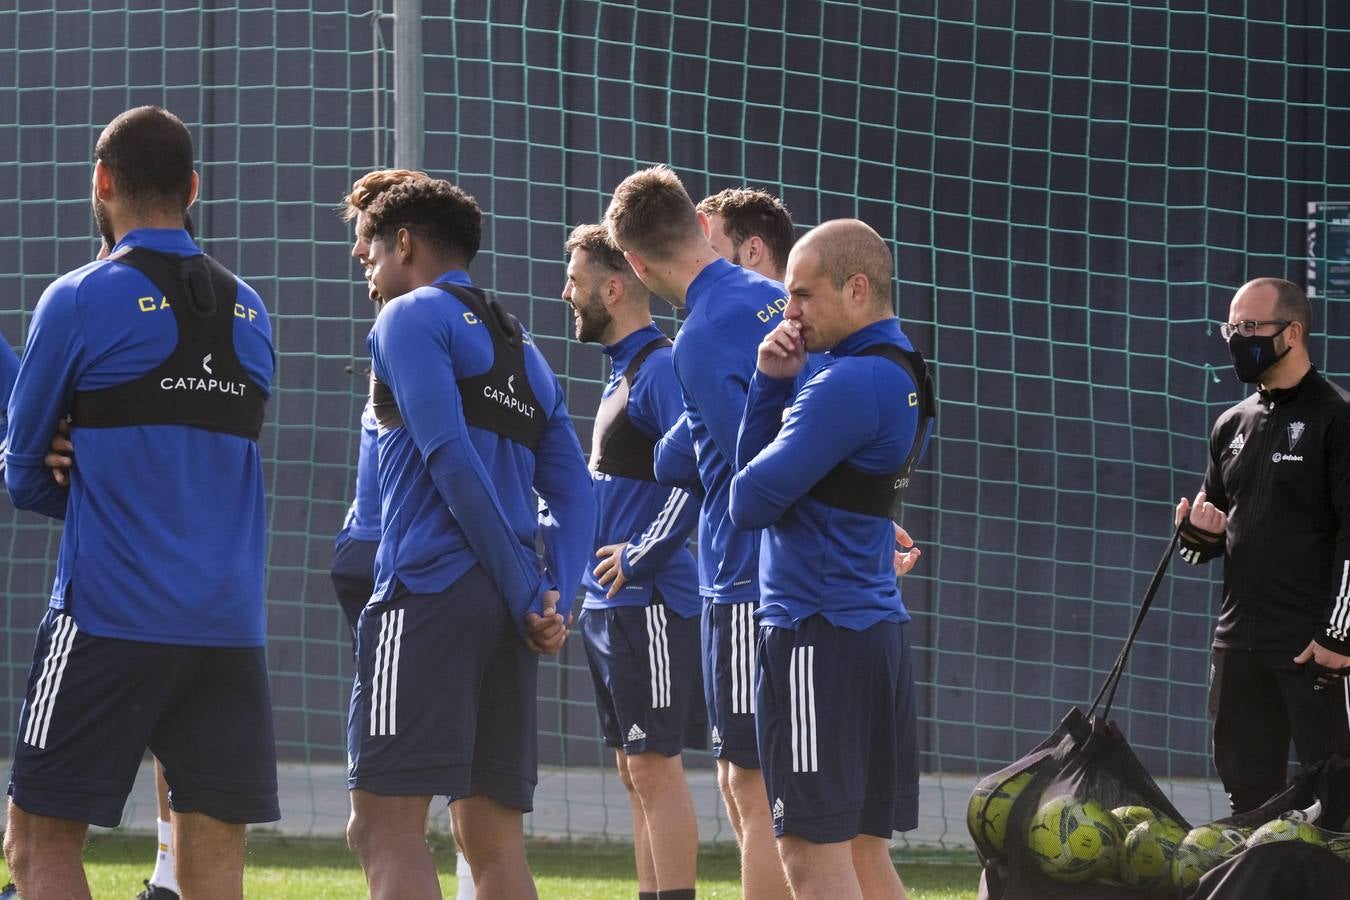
(636, 734)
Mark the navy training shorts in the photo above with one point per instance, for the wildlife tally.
(838, 730)
(444, 698)
(645, 662)
(93, 705)
(729, 680)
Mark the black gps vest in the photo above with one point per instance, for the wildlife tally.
(618, 447)
(501, 399)
(848, 487)
(201, 384)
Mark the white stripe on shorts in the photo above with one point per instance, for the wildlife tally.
(49, 682)
(384, 681)
(743, 658)
(802, 699)
(658, 655)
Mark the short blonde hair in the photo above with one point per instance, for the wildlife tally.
(651, 214)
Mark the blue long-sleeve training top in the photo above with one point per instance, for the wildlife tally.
(165, 524)
(363, 516)
(730, 309)
(652, 519)
(817, 558)
(454, 495)
(9, 368)
(674, 463)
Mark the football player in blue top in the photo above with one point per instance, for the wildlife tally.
(471, 425)
(747, 227)
(640, 619)
(665, 240)
(353, 570)
(837, 725)
(163, 881)
(155, 633)
(752, 228)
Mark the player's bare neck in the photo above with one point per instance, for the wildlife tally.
(622, 326)
(122, 226)
(685, 270)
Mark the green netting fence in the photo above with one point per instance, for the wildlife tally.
(1072, 191)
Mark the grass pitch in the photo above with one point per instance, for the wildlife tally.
(313, 869)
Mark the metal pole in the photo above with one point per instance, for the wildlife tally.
(376, 122)
(408, 91)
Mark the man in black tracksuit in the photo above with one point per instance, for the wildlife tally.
(1276, 506)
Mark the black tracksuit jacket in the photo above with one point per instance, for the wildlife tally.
(1279, 466)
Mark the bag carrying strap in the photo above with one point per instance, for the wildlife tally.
(1108, 689)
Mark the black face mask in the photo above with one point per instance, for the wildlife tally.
(1252, 356)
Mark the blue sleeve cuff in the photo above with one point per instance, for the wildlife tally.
(768, 384)
(31, 487)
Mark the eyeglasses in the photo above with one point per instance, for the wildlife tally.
(1247, 327)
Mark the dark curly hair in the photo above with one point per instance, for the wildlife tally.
(435, 210)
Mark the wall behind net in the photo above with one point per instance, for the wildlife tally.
(1072, 192)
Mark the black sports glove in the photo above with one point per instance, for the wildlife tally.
(1198, 545)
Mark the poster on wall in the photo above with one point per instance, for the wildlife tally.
(1329, 249)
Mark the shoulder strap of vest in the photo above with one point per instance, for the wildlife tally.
(489, 310)
(198, 277)
(619, 447)
(917, 368)
(881, 494)
(921, 374)
(500, 400)
(641, 357)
